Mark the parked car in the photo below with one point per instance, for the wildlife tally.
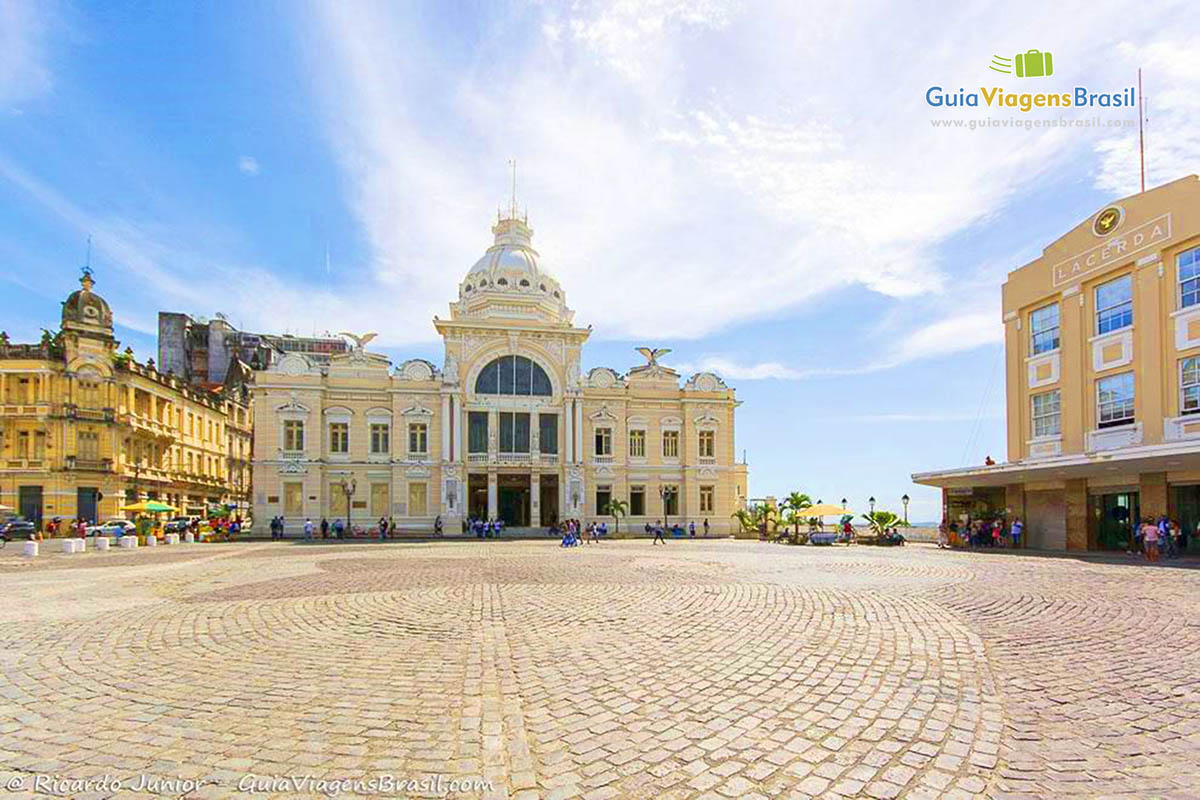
(114, 527)
(17, 529)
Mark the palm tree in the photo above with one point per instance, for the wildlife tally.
(618, 509)
(795, 503)
(880, 522)
(745, 519)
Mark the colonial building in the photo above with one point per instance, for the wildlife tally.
(509, 427)
(85, 429)
(1102, 343)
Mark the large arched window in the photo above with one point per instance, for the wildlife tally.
(514, 375)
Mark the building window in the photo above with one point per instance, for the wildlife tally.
(1114, 305)
(293, 436)
(514, 432)
(418, 438)
(339, 437)
(477, 432)
(670, 501)
(670, 444)
(1189, 381)
(603, 499)
(381, 438)
(293, 499)
(89, 445)
(1114, 396)
(637, 501)
(1047, 419)
(418, 499)
(1043, 329)
(708, 444)
(1189, 277)
(604, 441)
(548, 433)
(379, 499)
(513, 375)
(637, 444)
(706, 499)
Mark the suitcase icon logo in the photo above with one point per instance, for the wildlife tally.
(1030, 64)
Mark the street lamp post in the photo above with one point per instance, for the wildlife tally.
(871, 501)
(349, 487)
(904, 500)
(663, 492)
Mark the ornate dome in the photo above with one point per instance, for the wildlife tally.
(86, 310)
(509, 276)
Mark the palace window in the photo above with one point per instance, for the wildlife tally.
(1114, 399)
(513, 375)
(293, 499)
(1189, 382)
(708, 444)
(670, 443)
(670, 500)
(89, 445)
(293, 435)
(418, 438)
(1047, 418)
(379, 499)
(604, 441)
(477, 432)
(381, 438)
(1114, 304)
(1043, 329)
(603, 499)
(637, 501)
(514, 432)
(706, 499)
(637, 444)
(1189, 277)
(339, 437)
(548, 433)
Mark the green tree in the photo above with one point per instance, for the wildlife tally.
(795, 503)
(880, 522)
(618, 509)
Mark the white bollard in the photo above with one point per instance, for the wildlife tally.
(189, 538)
(81, 545)
(68, 545)
(172, 538)
(128, 541)
(151, 540)
(31, 549)
(102, 542)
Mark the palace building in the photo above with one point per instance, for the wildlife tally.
(1102, 344)
(85, 429)
(509, 427)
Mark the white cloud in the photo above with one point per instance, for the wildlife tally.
(732, 370)
(737, 185)
(248, 165)
(23, 70)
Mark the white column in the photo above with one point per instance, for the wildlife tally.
(569, 432)
(579, 430)
(445, 428)
(535, 500)
(493, 498)
(460, 421)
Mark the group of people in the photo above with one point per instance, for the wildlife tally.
(572, 530)
(59, 527)
(1156, 539)
(483, 528)
(981, 533)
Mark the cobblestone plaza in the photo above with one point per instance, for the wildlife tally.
(707, 669)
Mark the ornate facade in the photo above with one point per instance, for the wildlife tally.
(509, 427)
(85, 429)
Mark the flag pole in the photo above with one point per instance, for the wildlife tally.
(1141, 131)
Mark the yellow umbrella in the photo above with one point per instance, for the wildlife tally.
(824, 510)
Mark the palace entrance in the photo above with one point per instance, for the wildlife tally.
(512, 496)
(477, 496)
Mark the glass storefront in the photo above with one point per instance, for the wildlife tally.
(1114, 517)
(1187, 514)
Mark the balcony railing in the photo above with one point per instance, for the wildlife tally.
(25, 463)
(602, 459)
(89, 464)
(515, 458)
(477, 458)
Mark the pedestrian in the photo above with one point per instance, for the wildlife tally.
(1015, 531)
(1150, 539)
(308, 529)
(382, 528)
(692, 528)
(658, 534)
(324, 528)
(706, 527)
(391, 523)
(437, 526)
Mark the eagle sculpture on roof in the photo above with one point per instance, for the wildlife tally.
(359, 341)
(652, 354)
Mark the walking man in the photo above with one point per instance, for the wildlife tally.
(658, 534)
(308, 528)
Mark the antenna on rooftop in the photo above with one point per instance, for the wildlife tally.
(512, 209)
(1141, 128)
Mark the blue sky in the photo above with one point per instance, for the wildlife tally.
(756, 186)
